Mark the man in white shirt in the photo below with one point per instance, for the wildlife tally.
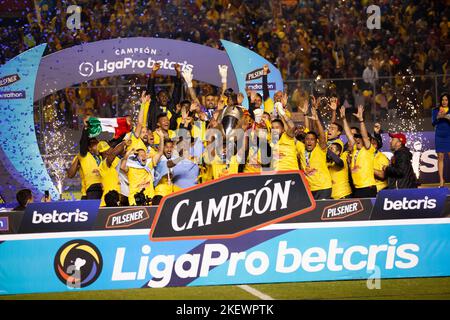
(370, 75)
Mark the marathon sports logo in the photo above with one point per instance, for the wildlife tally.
(336, 256)
(4, 223)
(7, 80)
(410, 203)
(78, 263)
(126, 218)
(342, 210)
(87, 69)
(59, 217)
(12, 95)
(258, 86)
(232, 206)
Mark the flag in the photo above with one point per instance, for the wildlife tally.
(118, 126)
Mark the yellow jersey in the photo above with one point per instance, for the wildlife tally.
(362, 167)
(110, 178)
(379, 162)
(164, 188)
(269, 107)
(156, 136)
(136, 143)
(221, 169)
(253, 163)
(89, 169)
(284, 154)
(340, 184)
(140, 177)
(314, 164)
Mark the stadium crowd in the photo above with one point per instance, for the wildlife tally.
(325, 40)
(147, 159)
(177, 144)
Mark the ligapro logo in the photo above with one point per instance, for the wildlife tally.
(78, 263)
(232, 206)
(287, 259)
(87, 69)
(59, 217)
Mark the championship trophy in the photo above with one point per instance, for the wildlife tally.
(230, 118)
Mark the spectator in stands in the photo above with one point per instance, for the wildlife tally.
(370, 76)
(23, 197)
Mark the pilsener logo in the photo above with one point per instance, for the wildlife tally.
(342, 210)
(409, 203)
(126, 218)
(232, 206)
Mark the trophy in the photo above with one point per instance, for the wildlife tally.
(230, 117)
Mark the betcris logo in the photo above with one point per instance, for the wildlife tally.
(60, 216)
(410, 204)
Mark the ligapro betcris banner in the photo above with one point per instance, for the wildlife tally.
(279, 253)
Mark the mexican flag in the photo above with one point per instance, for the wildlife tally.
(118, 126)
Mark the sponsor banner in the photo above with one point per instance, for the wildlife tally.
(12, 95)
(410, 203)
(60, 216)
(4, 224)
(327, 251)
(232, 206)
(125, 218)
(136, 55)
(10, 222)
(247, 64)
(338, 210)
(22, 170)
(9, 79)
(258, 86)
(255, 74)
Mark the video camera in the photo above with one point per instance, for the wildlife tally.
(141, 199)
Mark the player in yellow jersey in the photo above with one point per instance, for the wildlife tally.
(161, 102)
(380, 161)
(90, 160)
(284, 151)
(269, 103)
(313, 159)
(338, 167)
(139, 137)
(109, 167)
(138, 167)
(362, 157)
(163, 123)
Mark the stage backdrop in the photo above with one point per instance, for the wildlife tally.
(30, 77)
